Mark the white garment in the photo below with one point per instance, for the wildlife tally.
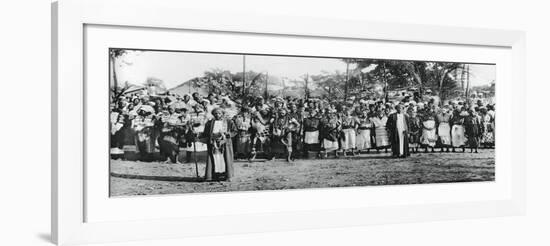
(400, 131)
(349, 142)
(219, 161)
(380, 131)
(218, 126)
(363, 139)
(311, 137)
(198, 146)
(458, 137)
(330, 145)
(429, 136)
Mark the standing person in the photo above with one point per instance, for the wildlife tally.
(217, 136)
(458, 135)
(473, 130)
(429, 135)
(187, 100)
(330, 133)
(415, 127)
(278, 104)
(349, 129)
(296, 114)
(444, 128)
(260, 132)
(212, 99)
(311, 129)
(364, 132)
(182, 129)
(243, 123)
(144, 126)
(487, 139)
(382, 140)
(117, 138)
(491, 112)
(281, 131)
(398, 127)
(207, 108)
(197, 97)
(168, 137)
(197, 122)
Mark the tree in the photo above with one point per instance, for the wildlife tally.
(223, 81)
(396, 74)
(332, 83)
(218, 81)
(117, 93)
(389, 73)
(155, 85)
(441, 73)
(305, 77)
(114, 55)
(252, 82)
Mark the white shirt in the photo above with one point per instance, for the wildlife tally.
(400, 123)
(218, 127)
(400, 131)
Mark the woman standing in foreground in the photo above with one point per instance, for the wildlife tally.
(217, 136)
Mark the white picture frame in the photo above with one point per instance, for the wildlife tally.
(70, 204)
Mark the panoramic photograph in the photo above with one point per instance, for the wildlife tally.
(198, 122)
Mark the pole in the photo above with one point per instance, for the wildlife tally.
(462, 79)
(347, 79)
(307, 88)
(385, 83)
(467, 83)
(115, 81)
(284, 86)
(244, 74)
(361, 81)
(266, 94)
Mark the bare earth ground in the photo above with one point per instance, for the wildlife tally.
(147, 178)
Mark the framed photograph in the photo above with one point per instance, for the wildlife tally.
(170, 125)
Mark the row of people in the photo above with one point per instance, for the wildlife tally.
(298, 128)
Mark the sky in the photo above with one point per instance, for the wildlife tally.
(175, 68)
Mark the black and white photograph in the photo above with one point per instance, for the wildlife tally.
(196, 122)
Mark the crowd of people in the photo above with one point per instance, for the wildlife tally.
(169, 126)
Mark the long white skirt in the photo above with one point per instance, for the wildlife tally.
(458, 136)
(429, 136)
(311, 137)
(382, 138)
(349, 141)
(219, 162)
(444, 131)
(363, 139)
(330, 145)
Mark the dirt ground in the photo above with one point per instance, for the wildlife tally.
(146, 178)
